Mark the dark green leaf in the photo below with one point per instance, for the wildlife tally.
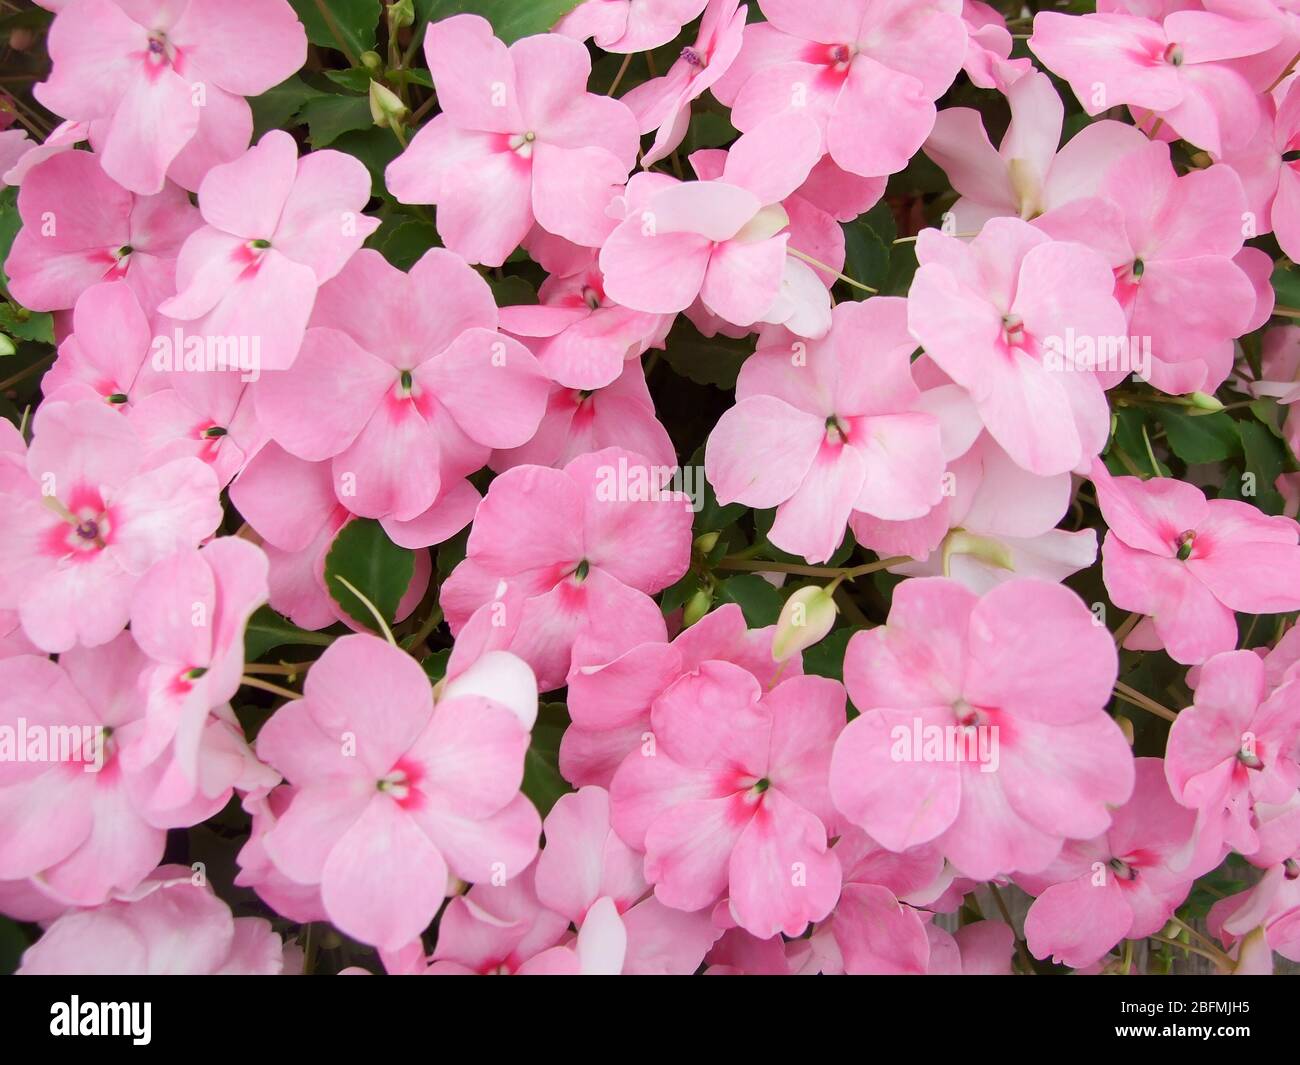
(267, 630)
(363, 555)
(26, 325)
(512, 291)
(511, 19)
(402, 240)
(328, 117)
(351, 22)
(280, 105)
(1200, 438)
(758, 600)
(705, 360)
(1265, 458)
(542, 781)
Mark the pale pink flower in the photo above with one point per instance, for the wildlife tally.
(519, 141)
(982, 725)
(629, 25)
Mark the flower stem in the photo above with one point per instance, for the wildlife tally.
(830, 270)
(1132, 695)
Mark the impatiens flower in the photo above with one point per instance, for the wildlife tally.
(1173, 70)
(77, 536)
(404, 383)
(867, 72)
(983, 948)
(629, 25)
(724, 241)
(580, 336)
(663, 105)
(62, 138)
(729, 798)
(1189, 562)
(188, 615)
(519, 140)
(1272, 905)
(68, 804)
(579, 421)
(172, 926)
(277, 229)
(168, 79)
(585, 864)
(80, 228)
(825, 429)
(394, 794)
(982, 726)
(988, 63)
(107, 355)
(1172, 242)
(1235, 746)
(1122, 885)
(1026, 175)
(605, 533)
(998, 314)
(610, 701)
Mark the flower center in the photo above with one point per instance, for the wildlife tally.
(1013, 329)
(1186, 541)
(581, 571)
(214, 432)
(591, 298)
(1123, 871)
(396, 784)
(1174, 55)
(117, 398)
(835, 432)
(88, 529)
(839, 54)
(693, 57)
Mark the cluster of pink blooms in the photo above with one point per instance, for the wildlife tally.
(728, 803)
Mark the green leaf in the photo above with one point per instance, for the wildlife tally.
(267, 630)
(376, 148)
(402, 240)
(354, 22)
(26, 325)
(329, 116)
(435, 664)
(279, 106)
(542, 781)
(826, 657)
(364, 556)
(759, 601)
(1286, 286)
(708, 129)
(867, 246)
(1265, 459)
(511, 19)
(1200, 438)
(10, 223)
(705, 360)
(12, 944)
(512, 291)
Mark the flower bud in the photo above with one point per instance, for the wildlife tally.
(807, 616)
(386, 108)
(1202, 401)
(400, 15)
(696, 607)
(706, 542)
(372, 61)
(6, 345)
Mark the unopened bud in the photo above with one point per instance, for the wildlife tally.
(400, 15)
(372, 61)
(696, 607)
(1203, 401)
(386, 107)
(706, 542)
(807, 616)
(6, 345)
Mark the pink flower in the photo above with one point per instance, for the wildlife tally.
(1236, 746)
(576, 422)
(171, 927)
(585, 869)
(80, 228)
(77, 536)
(1272, 907)
(394, 793)
(988, 61)
(1189, 562)
(982, 726)
(663, 105)
(994, 312)
(868, 72)
(1175, 70)
(278, 227)
(610, 702)
(519, 141)
(825, 430)
(1026, 175)
(62, 138)
(729, 797)
(70, 807)
(1172, 242)
(629, 25)
(723, 241)
(188, 615)
(404, 383)
(1122, 885)
(168, 79)
(580, 336)
(106, 357)
(604, 535)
